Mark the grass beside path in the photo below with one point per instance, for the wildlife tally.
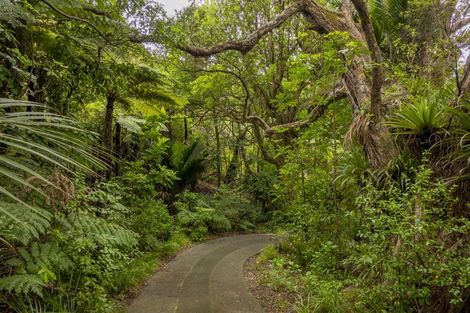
(128, 283)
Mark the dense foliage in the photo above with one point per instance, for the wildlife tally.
(343, 126)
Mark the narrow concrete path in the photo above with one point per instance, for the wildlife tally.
(205, 279)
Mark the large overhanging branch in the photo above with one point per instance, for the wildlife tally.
(251, 40)
(96, 11)
(322, 19)
(315, 113)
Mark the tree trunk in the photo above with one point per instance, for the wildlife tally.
(234, 163)
(31, 97)
(233, 166)
(107, 139)
(108, 122)
(247, 171)
(356, 86)
(218, 151)
(185, 131)
(262, 148)
(464, 83)
(31, 94)
(117, 149)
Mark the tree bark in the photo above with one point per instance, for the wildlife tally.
(464, 84)
(185, 120)
(218, 152)
(118, 149)
(234, 163)
(107, 139)
(356, 86)
(31, 97)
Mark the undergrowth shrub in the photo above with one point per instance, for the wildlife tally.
(396, 246)
(261, 186)
(86, 255)
(78, 258)
(401, 245)
(199, 221)
(199, 215)
(242, 213)
(158, 224)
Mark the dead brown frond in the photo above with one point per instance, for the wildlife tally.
(374, 139)
(165, 196)
(206, 188)
(64, 191)
(357, 129)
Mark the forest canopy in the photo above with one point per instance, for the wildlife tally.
(340, 125)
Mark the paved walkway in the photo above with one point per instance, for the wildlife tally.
(205, 279)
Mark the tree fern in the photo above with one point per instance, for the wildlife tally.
(132, 124)
(386, 16)
(33, 134)
(34, 267)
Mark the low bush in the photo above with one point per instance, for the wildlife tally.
(199, 215)
(388, 257)
(158, 224)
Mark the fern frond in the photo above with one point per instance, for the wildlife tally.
(107, 232)
(41, 256)
(22, 284)
(12, 13)
(21, 224)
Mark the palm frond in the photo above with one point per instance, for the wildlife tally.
(189, 162)
(29, 139)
